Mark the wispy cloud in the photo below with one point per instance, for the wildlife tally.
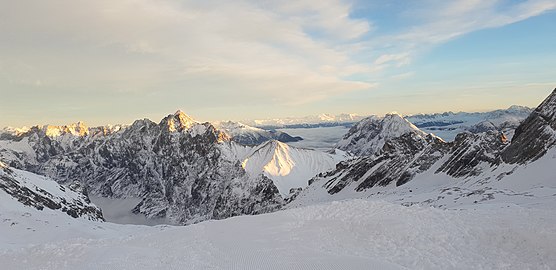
(251, 46)
(440, 21)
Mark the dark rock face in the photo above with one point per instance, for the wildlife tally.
(73, 201)
(252, 139)
(469, 150)
(177, 167)
(535, 135)
(398, 162)
(404, 157)
(285, 137)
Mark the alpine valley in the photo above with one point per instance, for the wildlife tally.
(391, 193)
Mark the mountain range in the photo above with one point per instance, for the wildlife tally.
(448, 125)
(182, 171)
(395, 197)
(185, 172)
(394, 152)
(312, 121)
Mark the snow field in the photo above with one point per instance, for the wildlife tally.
(351, 234)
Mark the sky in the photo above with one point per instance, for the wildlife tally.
(109, 62)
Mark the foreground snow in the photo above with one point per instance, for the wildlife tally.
(352, 234)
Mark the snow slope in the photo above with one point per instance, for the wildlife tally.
(353, 234)
(289, 167)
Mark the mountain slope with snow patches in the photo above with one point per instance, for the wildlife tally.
(482, 159)
(20, 190)
(369, 135)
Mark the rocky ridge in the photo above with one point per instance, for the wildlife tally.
(392, 152)
(42, 193)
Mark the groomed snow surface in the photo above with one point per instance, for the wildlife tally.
(353, 234)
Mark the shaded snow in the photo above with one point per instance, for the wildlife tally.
(120, 211)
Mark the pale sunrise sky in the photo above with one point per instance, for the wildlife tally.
(114, 61)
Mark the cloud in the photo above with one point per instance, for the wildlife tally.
(441, 21)
(215, 53)
(400, 59)
(403, 76)
(137, 45)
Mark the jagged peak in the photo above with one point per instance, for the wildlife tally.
(548, 107)
(393, 113)
(393, 124)
(369, 135)
(396, 125)
(178, 121)
(141, 123)
(76, 129)
(272, 144)
(518, 108)
(15, 131)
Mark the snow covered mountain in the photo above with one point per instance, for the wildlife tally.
(447, 125)
(493, 200)
(289, 167)
(181, 170)
(20, 189)
(370, 134)
(176, 167)
(247, 135)
(480, 159)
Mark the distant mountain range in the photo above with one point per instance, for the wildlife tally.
(444, 125)
(321, 120)
(447, 125)
(247, 135)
